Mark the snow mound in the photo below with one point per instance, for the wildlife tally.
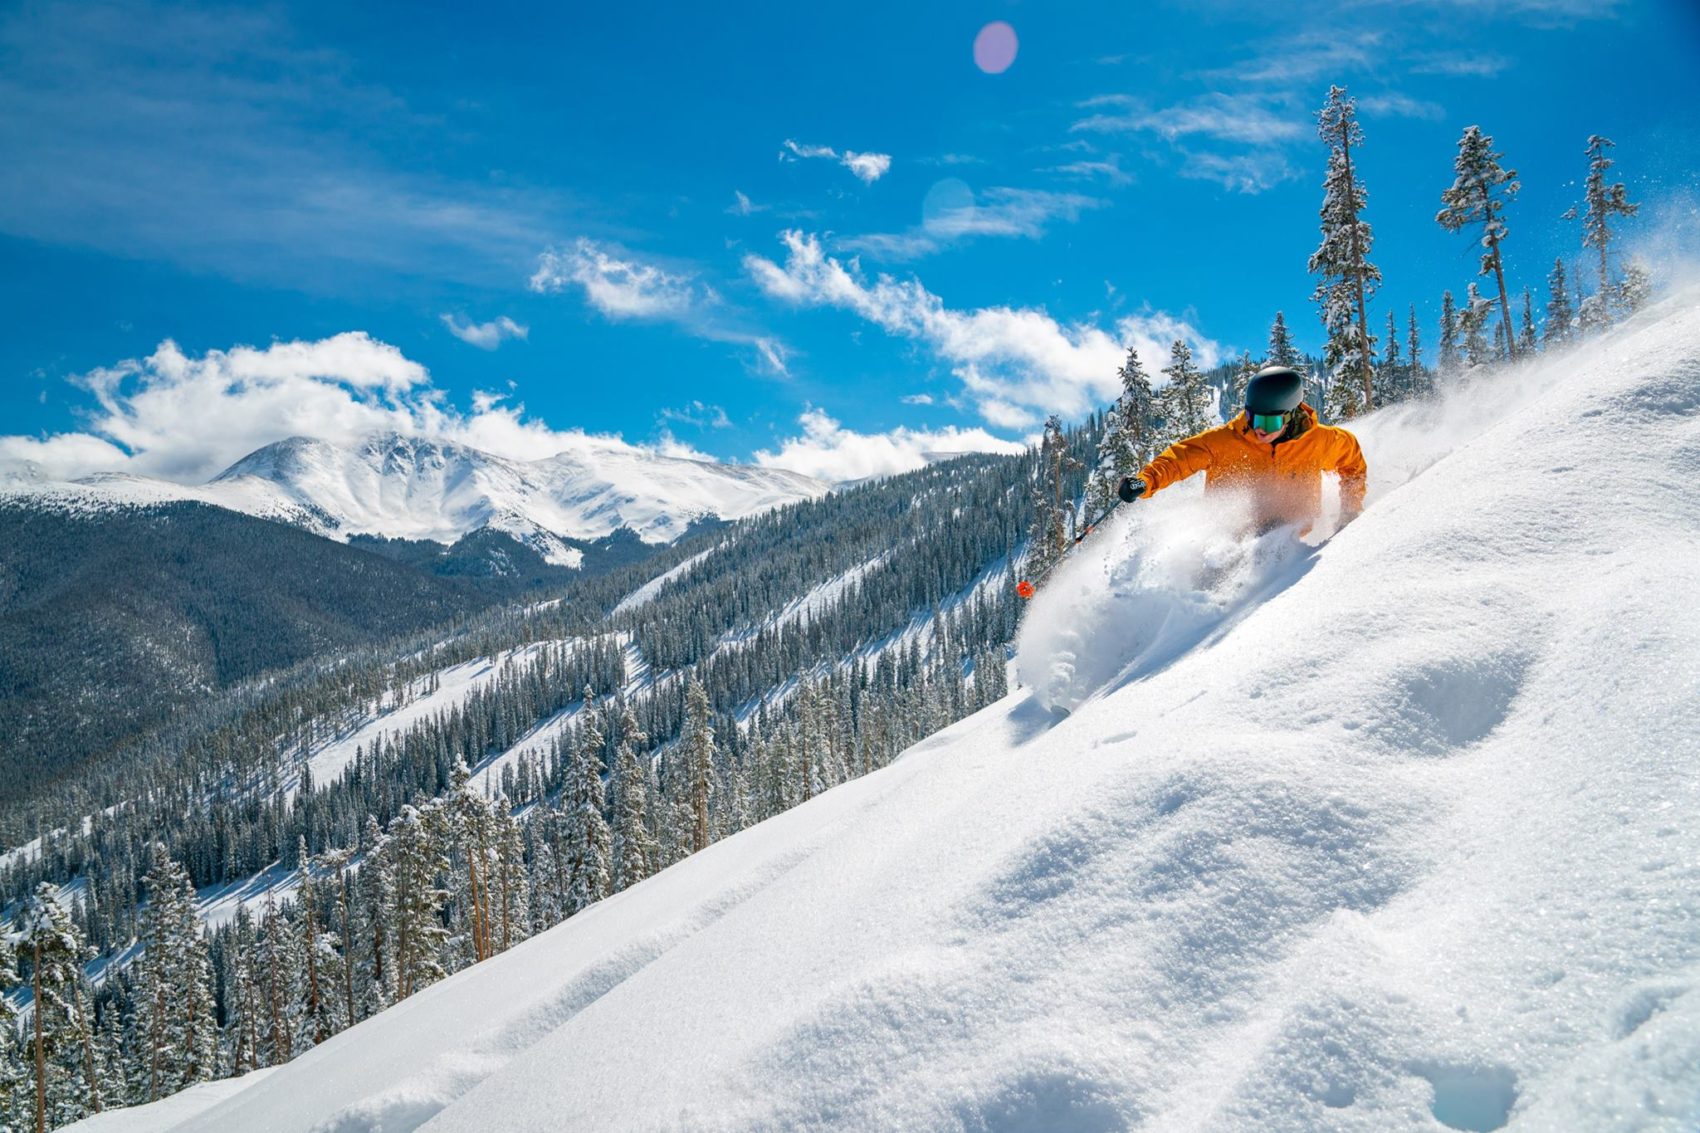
(1409, 843)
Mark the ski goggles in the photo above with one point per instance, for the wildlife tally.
(1267, 422)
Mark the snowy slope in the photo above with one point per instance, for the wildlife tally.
(1411, 842)
(418, 488)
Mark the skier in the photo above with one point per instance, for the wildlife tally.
(1275, 451)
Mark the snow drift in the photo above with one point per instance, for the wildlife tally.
(1405, 835)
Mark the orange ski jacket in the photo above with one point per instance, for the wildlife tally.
(1284, 479)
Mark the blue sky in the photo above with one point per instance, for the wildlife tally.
(825, 238)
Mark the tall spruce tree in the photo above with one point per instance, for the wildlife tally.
(1348, 278)
(175, 1012)
(1450, 358)
(1419, 383)
(1602, 202)
(1281, 349)
(1185, 400)
(1126, 444)
(60, 1038)
(584, 832)
(633, 848)
(1479, 195)
(697, 742)
(1560, 314)
(14, 1080)
(1526, 341)
(1390, 374)
(1048, 537)
(1472, 326)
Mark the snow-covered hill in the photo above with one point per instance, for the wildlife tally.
(1410, 840)
(419, 488)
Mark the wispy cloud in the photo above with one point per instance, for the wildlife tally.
(485, 336)
(168, 131)
(1016, 363)
(742, 205)
(1241, 172)
(188, 417)
(1396, 105)
(829, 451)
(1459, 65)
(868, 167)
(698, 415)
(918, 399)
(1109, 170)
(1224, 116)
(999, 212)
(622, 285)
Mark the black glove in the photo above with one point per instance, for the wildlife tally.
(1130, 489)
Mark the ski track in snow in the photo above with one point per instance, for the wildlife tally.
(1410, 843)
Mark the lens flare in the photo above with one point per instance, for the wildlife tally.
(994, 48)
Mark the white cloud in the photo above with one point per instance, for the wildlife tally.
(918, 399)
(1472, 66)
(187, 418)
(485, 336)
(828, 451)
(867, 167)
(621, 288)
(1016, 363)
(1024, 213)
(1110, 169)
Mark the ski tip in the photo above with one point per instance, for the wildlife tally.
(1024, 588)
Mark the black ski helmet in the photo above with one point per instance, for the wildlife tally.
(1274, 389)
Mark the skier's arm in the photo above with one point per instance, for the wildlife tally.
(1176, 463)
(1354, 475)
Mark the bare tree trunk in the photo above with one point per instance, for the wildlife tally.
(1504, 304)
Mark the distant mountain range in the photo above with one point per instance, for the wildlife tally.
(410, 487)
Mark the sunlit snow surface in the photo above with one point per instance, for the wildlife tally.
(1409, 841)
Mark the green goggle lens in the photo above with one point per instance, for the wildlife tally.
(1268, 422)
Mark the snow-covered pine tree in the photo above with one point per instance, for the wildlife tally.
(1281, 349)
(1449, 331)
(584, 832)
(60, 1038)
(471, 824)
(1390, 374)
(14, 1079)
(416, 860)
(1526, 341)
(1051, 511)
(374, 968)
(1185, 400)
(278, 961)
(242, 1014)
(1348, 278)
(1419, 384)
(632, 846)
(697, 743)
(334, 867)
(1602, 202)
(1636, 290)
(1125, 446)
(1243, 374)
(1560, 314)
(1479, 195)
(175, 1010)
(1472, 323)
(511, 885)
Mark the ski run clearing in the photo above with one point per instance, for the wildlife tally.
(1400, 833)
